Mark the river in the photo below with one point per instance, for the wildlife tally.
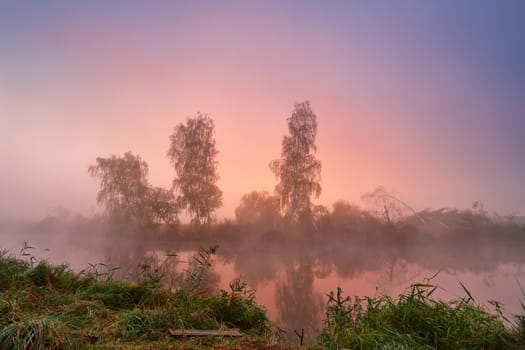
(293, 274)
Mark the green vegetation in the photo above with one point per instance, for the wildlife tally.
(415, 320)
(50, 307)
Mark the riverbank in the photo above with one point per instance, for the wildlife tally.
(50, 307)
(43, 306)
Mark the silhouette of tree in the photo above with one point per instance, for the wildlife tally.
(345, 215)
(386, 206)
(258, 208)
(127, 195)
(123, 187)
(321, 217)
(298, 305)
(298, 170)
(163, 206)
(192, 153)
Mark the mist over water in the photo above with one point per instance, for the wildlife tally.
(104, 110)
(293, 269)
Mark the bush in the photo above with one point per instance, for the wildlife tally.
(238, 308)
(413, 321)
(118, 295)
(50, 307)
(58, 278)
(12, 271)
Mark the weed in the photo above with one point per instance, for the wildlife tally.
(12, 271)
(238, 309)
(412, 321)
(24, 254)
(33, 334)
(49, 307)
(196, 275)
(519, 324)
(99, 272)
(152, 274)
(115, 294)
(134, 325)
(58, 278)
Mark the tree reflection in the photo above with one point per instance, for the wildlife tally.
(298, 307)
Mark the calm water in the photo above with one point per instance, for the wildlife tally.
(296, 295)
(293, 277)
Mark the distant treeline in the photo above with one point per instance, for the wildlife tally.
(129, 198)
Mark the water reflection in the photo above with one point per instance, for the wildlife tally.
(293, 271)
(396, 272)
(298, 305)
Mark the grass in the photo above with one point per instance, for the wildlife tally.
(49, 307)
(43, 306)
(415, 320)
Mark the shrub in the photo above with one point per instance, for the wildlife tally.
(58, 278)
(414, 320)
(119, 295)
(12, 271)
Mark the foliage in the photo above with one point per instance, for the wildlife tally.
(123, 186)
(32, 334)
(192, 153)
(39, 310)
(298, 170)
(519, 323)
(98, 272)
(197, 277)
(345, 215)
(321, 217)
(127, 195)
(163, 206)
(237, 308)
(57, 278)
(415, 320)
(116, 294)
(258, 208)
(12, 271)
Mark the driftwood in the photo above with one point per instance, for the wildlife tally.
(205, 333)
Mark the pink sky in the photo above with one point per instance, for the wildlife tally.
(404, 99)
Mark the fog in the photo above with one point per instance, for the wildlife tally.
(103, 114)
(293, 268)
(425, 98)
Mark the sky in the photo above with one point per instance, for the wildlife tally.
(425, 98)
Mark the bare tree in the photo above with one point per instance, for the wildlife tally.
(192, 153)
(386, 206)
(298, 170)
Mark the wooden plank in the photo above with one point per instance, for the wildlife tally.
(205, 332)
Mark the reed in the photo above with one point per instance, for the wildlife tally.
(43, 306)
(414, 320)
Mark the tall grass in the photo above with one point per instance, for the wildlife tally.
(414, 320)
(43, 306)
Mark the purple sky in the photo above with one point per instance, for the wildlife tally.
(425, 98)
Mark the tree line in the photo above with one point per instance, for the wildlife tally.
(128, 197)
